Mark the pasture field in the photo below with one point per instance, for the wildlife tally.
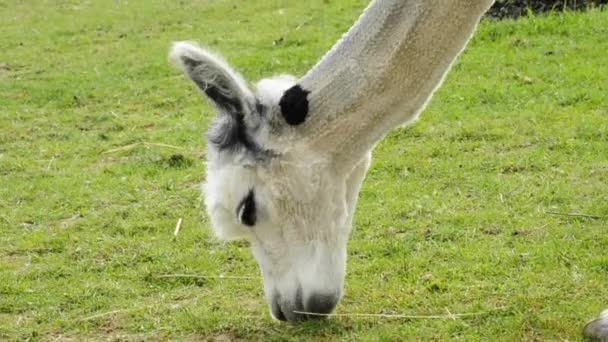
(468, 210)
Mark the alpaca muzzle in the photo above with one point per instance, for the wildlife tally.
(317, 306)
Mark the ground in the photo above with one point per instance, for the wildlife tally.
(496, 201)
(517, 8)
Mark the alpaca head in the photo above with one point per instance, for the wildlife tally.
(267, 185)
(286, 160)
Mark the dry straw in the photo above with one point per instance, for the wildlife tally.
(449, 315)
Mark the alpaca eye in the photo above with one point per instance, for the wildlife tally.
(246, 211)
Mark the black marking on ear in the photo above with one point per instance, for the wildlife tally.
(246, 211)
(294, 105)
(227, 132)
(216, 90)
(259, 107)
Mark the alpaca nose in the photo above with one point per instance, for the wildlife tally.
(316, 307)
(321, 303)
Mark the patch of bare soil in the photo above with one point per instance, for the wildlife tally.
(517, 8)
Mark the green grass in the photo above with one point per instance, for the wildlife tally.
(453, 214)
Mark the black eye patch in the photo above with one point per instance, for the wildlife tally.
(246, 211)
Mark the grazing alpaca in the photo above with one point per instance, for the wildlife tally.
(597, 329)
(286, 161)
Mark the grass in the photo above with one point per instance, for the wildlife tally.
(101, 154)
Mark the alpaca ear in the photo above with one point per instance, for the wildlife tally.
(213, 76)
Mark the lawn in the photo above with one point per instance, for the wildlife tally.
(468, 210)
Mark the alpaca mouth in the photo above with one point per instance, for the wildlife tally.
(284, 310)
(277, 313)
(316, 307)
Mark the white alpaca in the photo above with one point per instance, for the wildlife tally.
(286, 162)
(597, 329)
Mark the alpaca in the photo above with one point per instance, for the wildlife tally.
(597, 329)
(286, 160)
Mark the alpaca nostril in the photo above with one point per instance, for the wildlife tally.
(321, 304)
(286, 310)
(275, 308)
(277, 313)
